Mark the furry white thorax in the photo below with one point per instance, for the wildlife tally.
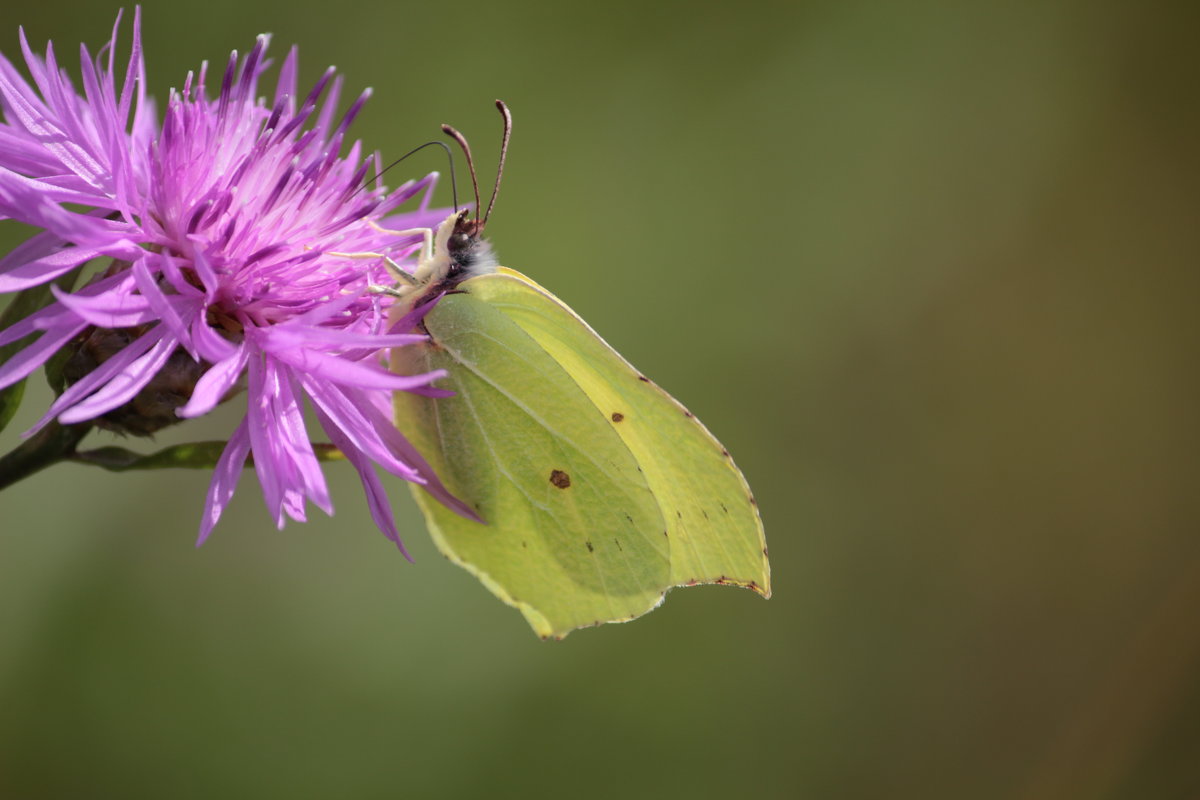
(434, 265)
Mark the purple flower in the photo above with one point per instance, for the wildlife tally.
(230, 228)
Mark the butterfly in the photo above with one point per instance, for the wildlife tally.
(599, 490)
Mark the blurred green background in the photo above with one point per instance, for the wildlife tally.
(927, 269)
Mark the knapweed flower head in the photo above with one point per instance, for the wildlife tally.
(233, 234)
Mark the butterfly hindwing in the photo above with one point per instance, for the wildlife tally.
(600, 491)
(568, 539)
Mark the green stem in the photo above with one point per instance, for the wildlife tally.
(50, 445)
(196, 455)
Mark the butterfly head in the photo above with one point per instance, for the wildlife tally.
(460, 237)
(468, 253)
(464, 235)
(458, 250)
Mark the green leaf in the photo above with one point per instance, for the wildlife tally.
(10, 401)
(599, 490)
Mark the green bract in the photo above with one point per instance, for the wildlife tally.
(599, 490)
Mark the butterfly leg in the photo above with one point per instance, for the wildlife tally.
(394, 270)
(426, 237)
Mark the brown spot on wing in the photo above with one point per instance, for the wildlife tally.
(617, 416)
(560, 479)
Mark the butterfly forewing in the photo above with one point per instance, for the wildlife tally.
(713, 524)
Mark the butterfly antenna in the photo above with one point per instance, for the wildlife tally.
(449, 156)
(462, 142)
(504, 112)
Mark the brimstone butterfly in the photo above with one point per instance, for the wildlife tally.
(599, 490)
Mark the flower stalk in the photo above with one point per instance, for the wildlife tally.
(50, 445)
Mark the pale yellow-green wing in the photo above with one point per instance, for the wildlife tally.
(600, 491)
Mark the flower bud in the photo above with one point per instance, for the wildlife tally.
(151, 409)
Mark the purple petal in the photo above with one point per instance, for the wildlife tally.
(118, 308)
(168, 265)
(325, 311)
(364, 420)
(34, 355)
(286, 87)
(259, 426)
(350, 373)
(101, 375)
(31, 116)
(377, 408)
(410, 320)
(214, 384)
(121, 389)
(357, 427)
(44, 269)
(377, 500)
(56, 315)
(224, 480)
(167, 308)
(33, 248)
(211, 345)
(283, 457)
(294, 441)
(283, 335)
